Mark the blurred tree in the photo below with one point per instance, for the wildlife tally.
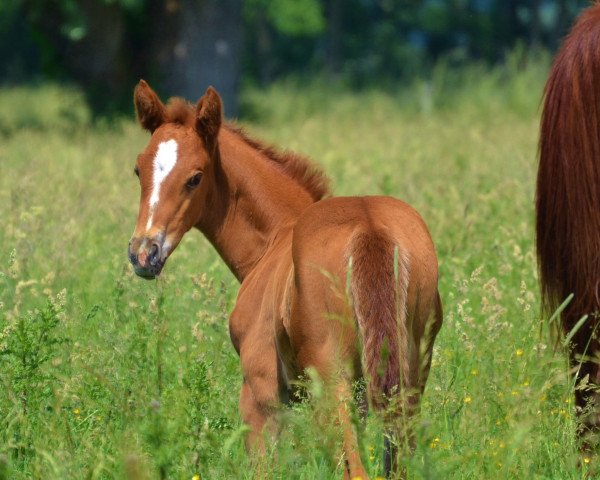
(18, 50)
(181, 46)
(196, 43)
(334, 9)
(106, 45)
(281, 34)
(86, 40)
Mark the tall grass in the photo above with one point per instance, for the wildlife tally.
(104, 375)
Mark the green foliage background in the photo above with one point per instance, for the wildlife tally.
(104, 375)
(362, 41)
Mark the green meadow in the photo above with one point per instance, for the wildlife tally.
(104, 375)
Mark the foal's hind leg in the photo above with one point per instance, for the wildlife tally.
(344, 399)
(339, 406)
(433, 325)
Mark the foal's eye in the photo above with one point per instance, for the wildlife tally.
(136, 170)
(194, 181)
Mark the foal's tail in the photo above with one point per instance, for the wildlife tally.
(379, 286)
(568, 183)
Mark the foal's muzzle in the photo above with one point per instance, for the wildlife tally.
(147, 255)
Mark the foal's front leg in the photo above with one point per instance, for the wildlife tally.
(259, 397)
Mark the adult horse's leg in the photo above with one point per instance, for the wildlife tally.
(586, 399)
(584, 361)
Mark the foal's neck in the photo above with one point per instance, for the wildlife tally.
(254, 201)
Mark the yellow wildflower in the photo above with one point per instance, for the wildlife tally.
(435, 442)
(467, 399)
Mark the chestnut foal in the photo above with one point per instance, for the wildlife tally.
(265, 214)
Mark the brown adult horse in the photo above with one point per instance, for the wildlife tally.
(291, 250)
(568, 201)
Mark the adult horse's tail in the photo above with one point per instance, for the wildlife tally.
(380, 299)
(568, 187)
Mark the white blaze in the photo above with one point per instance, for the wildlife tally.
(164, 161)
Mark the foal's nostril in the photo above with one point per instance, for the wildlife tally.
(154, 254)
(145, 254)
(132, 256)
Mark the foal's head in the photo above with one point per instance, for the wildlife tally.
(181, 150)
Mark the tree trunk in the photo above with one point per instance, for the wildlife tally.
(562, 25)
(264, 49)
(96, 60)
(196, 44)
(535, 37)
(334, 43)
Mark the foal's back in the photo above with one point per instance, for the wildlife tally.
(328, 228)
(375, 232)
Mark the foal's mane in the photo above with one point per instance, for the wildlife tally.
(297, 167)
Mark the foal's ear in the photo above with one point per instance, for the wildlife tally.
(209, 115)
(148, 107)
